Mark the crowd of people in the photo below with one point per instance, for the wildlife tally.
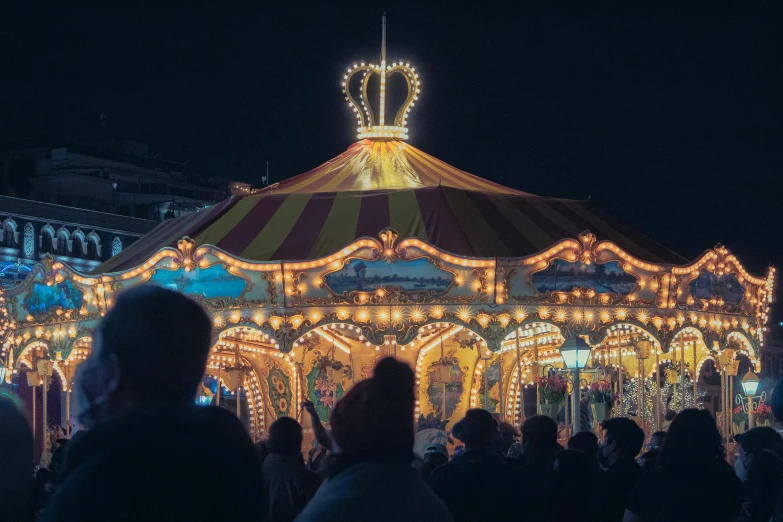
(149, 453)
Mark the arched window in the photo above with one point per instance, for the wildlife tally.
(63, 240)
(78, 246)
(116, 246)
(48, 244)
(93, 246)
(29, 240)
(9, 233)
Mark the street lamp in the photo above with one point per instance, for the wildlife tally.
(750, 385)
(575, 351)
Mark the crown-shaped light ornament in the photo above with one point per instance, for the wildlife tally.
(369, 126)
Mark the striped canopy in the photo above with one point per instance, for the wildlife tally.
(380, 184)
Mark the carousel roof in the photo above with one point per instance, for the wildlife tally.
(373, 185)
(381, 182)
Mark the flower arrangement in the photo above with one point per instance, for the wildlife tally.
(738, 416)
(764, 413)
(552, 389)
(601, 393)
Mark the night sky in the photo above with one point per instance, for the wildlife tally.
(667, 117)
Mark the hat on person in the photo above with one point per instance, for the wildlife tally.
(758, 439)
(374, 420)
(437, 447)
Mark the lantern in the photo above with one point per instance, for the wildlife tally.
(672, 376)
(33, 379)
(643, 349)
(575, 351)
(750, 383)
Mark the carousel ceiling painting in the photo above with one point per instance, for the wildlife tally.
(386, 250)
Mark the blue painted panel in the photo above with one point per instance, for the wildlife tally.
(214, 281)
(564, 276)
(418, 275)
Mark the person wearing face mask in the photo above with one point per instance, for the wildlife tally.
(623, 440)
(148, 448)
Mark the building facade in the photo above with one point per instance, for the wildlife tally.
(83, 204)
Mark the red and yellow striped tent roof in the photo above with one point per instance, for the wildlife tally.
(380, 184)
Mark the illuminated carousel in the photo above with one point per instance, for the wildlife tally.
(386, 250)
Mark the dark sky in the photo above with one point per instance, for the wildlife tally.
(668, 117)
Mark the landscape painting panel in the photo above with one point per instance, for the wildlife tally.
(604, 278)
(44, 298)
(214, 281)
(708, 285)
(418, 275)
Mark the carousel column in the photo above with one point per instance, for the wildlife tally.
(217, 392)
(695, 377)
(620, 375)
(657, 391)
(500, 385)
(521, 392)
(682, 375)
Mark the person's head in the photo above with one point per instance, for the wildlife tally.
(508, 431)
(16, 459)
(623, 438)
(374, 420)
(693, 442)
(656, 440)
(150, 348)
(776, 401)
(436, 455)
(750, 444)
(539, 436)
(285, 437)
(586, 442)
(476, 429)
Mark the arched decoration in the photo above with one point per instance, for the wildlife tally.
(116, 246)
(79, 243)
(47, 239)
(30, 345)
(64, 244)
(28, 245)
(81, 349)
(538, 345)
(445, 380)
(746, 346)
(93, 246)
(10, 233)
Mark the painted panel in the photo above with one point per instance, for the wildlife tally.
(708, 285)
(44, 298)
(280, 394)
(604, 278)
(445, 396)
(491, 401)
(214, 281)
(418, 275)
(323, 390)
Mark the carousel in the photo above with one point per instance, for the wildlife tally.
(497, 298)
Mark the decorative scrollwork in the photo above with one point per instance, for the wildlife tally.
(482, 275)
(297, 287)
(271, 286)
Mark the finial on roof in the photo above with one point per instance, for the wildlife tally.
(369, 127)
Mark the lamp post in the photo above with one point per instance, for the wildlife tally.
(575, 351)
(750, 385)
